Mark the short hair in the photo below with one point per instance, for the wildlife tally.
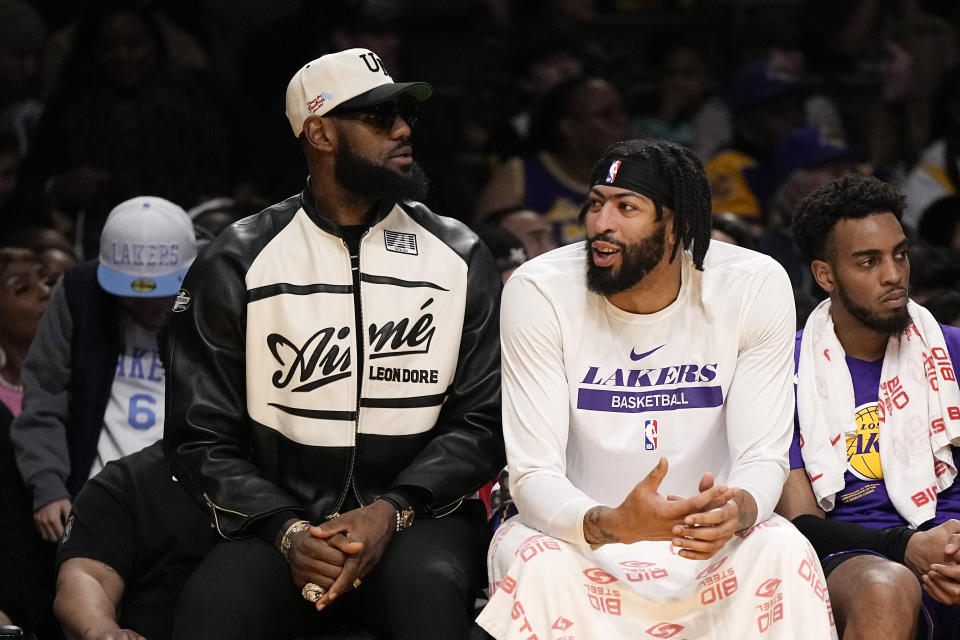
(939, 221)
(945, 306)
(685, 177)
(555, 105)
(851, 197)
(11, 255)
(499, 215)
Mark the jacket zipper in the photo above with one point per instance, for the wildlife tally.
(216, 521)
(358, 309)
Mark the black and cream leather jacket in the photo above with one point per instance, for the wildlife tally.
(265, 412)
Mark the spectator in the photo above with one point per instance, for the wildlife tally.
(803, 160)
(55, 251)
(10, 158)
(148, 127)
(22, 35)
(534, 65)
(875, 446)
(690, 111)
(765, 104)
(213, 216)
(933, 270)
(132, 540)
(887, 57)
(946, 308)
(26, 582)
(508, 252)
(56, 261)
(531, 228)
(730, 228)
(576, 119)
(937, 174)
(940, 223)
(93, 378)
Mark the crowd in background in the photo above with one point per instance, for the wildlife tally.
(104, 100)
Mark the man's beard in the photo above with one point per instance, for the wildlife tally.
(357, 174)
(892, 325)
(636, 261)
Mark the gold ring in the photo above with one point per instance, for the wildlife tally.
(356, 583)
(312, 591)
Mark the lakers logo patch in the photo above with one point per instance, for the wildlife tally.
(863, 448)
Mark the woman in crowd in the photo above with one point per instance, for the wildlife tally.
(26, 585)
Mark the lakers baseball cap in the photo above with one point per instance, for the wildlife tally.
(146, 247)
(350, 79)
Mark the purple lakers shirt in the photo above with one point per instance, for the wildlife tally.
(864, 499)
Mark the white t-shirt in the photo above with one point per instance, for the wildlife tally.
(134, 415)
(593, 396)
(927, 182)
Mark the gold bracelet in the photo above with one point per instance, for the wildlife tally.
(287, 539)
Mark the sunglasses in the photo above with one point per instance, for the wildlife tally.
(384, 115)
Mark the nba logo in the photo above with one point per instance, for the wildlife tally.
(650, 435)
(612, 172)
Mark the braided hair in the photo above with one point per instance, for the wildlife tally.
(684, 175)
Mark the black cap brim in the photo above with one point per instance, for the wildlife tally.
(419, 91)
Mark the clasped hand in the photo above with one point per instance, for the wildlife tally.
(699, 525)
(933, 555)
(338, 552)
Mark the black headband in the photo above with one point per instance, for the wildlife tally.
(638, 175)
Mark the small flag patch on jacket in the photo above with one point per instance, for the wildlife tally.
(400, 242)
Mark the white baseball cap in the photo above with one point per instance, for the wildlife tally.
(146, 247)
(353, 78)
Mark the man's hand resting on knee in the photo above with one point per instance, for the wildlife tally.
(646, 515)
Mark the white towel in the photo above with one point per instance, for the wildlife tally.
(919, 409)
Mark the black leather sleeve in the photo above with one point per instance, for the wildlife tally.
(207, 433)
(467, 449)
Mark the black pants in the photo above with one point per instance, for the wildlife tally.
(423, 588)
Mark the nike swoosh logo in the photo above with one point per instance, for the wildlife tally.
(639, 356)
(834, 441)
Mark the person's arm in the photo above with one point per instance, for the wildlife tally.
(88, 594)
(536, 408)
(39, 434)
(760, 399)
(206, 428)
(98, 557)
(799, 505)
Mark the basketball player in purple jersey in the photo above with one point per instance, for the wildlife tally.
(890, 553)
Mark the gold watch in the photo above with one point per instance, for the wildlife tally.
(405, 518)
(405, 513)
